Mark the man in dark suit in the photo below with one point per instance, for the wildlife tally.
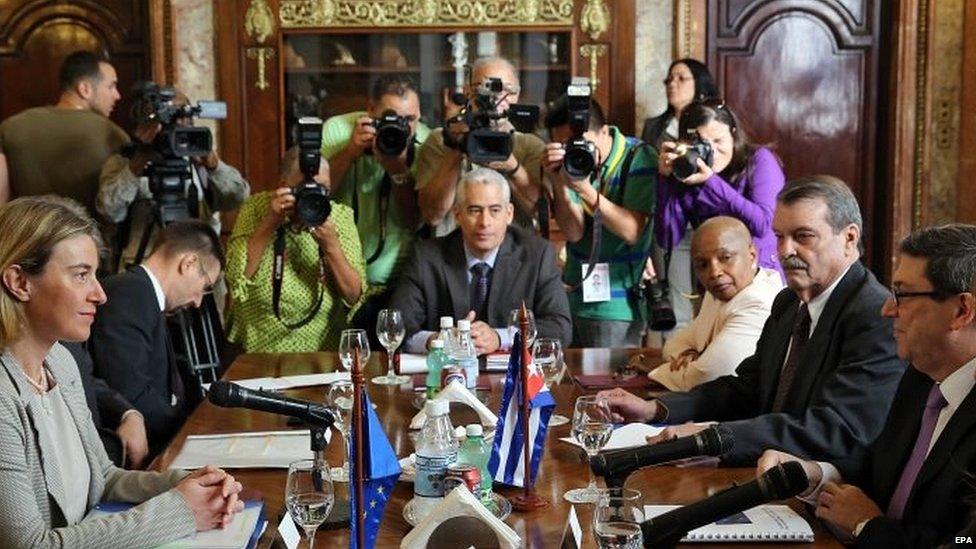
(912, 487)
(825, 368)
(130, 343)
(481, 272)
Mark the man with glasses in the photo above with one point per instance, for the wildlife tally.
(130, 344)
(912, 487)
(825, 368)
(441, 161)
(481, 273)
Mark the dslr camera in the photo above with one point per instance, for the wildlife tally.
(484, 142)
(654, 302)
(392, 133)
(580, 159)
(686, 164)
(312, 204)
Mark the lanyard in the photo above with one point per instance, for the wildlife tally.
(277, 274)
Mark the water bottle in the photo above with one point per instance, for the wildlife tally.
(435, 362)
(447, 336)
(465, 354)
(475, 451)
(436, 450)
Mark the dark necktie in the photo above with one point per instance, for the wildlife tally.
(480, 273)
(933, 406)
(175, 381)
(801, 334)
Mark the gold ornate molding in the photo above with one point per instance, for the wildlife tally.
(593, 52)
(262, 54)
(259, 21)
(921, 112)
(435, 13)
(594, 18)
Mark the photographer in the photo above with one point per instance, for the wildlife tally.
(215, 186)
(323, 275)
(371, 168)
(441, 162)
(621, 187)
(739, 180)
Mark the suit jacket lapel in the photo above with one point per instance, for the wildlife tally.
(782, 333)
(501, 278)
(456, 274)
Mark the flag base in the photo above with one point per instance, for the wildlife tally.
(528, 502)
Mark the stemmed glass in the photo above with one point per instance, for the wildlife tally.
(390, 332)
(617, 519)
(592, 428)
(514, 326)
(548, 356)
(353, 339)
(309, 495)
(340, 398)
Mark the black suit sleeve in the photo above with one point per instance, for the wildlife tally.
(107, 404)
(887, 533)
(551, 307)
(409, 294)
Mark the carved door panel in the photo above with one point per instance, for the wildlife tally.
(35, 37)
(804, 76)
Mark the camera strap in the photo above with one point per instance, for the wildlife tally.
(277, 275)
(386, 188)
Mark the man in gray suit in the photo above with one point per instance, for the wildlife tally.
(481, 272)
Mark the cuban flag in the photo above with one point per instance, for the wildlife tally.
(507, 463)
(382, 469)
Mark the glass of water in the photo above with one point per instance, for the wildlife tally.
(390, 331)
(548, 356)
(309, 495)
(340, 398)
(353, 339)
(592, 428)
(617, 519)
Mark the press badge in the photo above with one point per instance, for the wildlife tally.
(596, 287)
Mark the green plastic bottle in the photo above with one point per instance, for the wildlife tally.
(435, 363)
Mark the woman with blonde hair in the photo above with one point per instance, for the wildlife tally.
(53, 467)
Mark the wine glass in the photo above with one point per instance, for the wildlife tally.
(390, 332)
(514, 326)
(340, 398)
(547, 354)
(353, 339)
(592, 428)
(617, 519)
(309, 495)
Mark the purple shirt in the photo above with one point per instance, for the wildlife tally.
(751, 199)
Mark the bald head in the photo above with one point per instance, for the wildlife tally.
(723, 256)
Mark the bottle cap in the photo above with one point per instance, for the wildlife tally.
(459, 432)
(437, 408)
(447, 322)
(464, 325)
(474, 430)
(437, 344)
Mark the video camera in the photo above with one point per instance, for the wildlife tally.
(580, 159)
(312, 204)
(686, 164)
(483, 142)
(155, 103)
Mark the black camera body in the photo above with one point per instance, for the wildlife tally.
(483, 142)
(392, 133)
(312, 204)
(581, 153)
(653, 298)
(155, 103)
(686, 164)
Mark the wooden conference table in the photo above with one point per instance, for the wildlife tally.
(563, 467)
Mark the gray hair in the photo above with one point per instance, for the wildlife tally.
(482, 62)
(842, 206)
(482, 176)
(951, 254)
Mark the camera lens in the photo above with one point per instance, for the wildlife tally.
(685, 165)
(312, 205)
(391, 140)
(579, 160)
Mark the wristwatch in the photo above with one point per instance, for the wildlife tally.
(400, 178)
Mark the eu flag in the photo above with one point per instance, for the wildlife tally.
(381, 468)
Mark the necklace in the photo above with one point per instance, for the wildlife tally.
(41, 387)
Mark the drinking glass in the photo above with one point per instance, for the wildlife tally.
(592, 428)
(548, 356)
(309, 495)
(514, 326)
(390, 331)
(353, 339)
(617, 519)
(340, 398)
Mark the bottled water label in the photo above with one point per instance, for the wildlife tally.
(429, 479)
(470, 367)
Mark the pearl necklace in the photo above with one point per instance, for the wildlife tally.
(41, 387)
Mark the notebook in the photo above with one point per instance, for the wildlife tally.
(243, 532)
(610, 381)
(765, 523)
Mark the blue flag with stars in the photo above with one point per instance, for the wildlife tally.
(381, 468)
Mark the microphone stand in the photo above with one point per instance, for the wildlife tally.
(358, 482)
(528, 500)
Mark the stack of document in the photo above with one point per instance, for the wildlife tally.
(242, 532)
(234, 450)
(288, 382)
(766, 523)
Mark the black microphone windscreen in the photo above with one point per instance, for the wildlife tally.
(716, 440)
(222, 393)
(785, 481)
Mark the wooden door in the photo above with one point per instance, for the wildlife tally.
(35, 37)
(803, 75)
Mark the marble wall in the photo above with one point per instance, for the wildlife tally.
(653, 52)
(193, 52)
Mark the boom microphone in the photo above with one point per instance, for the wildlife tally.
(232, 395)
(783, 481)
(616, 465)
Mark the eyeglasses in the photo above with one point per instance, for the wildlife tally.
(681, 79)
(897, 295)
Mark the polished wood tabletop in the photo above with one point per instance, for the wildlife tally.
(563, 467)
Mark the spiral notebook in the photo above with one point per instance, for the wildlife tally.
(765, 523)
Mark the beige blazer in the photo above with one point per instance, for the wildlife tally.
(724, 334)
(31, 493)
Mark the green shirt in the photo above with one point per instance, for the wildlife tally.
(626, 262)
(252, 321)
(364, 179)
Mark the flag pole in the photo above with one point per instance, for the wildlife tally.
(528, 500)
(358, 482)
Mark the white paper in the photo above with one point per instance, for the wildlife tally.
(457, 392)
(628, 436)
(289, 382)
(289, 532)
(596, 287)
(575, 526)
(459, 503)
(411, 363)
(767, 523)
(236, 535)
(274, 449)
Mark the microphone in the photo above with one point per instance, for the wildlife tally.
(783, 481)
(616, 465)
(232, 395)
